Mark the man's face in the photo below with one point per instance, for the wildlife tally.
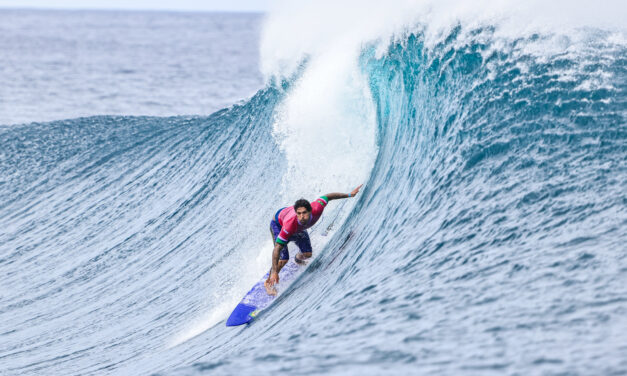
(302, 215)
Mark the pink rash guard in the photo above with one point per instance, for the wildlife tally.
(289, 222)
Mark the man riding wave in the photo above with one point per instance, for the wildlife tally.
(290, 224)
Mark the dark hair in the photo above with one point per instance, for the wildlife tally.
(302, 203)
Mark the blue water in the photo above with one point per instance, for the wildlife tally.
(58, 65)
(489, 237)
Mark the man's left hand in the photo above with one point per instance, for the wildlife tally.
(356, 190)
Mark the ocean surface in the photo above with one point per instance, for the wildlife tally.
(57, 65)
(143, 154)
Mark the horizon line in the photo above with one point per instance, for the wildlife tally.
(162, 10)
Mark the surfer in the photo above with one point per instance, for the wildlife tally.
(290, 224)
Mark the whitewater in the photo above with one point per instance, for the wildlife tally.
(489, 236)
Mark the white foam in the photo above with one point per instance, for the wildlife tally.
(293, 30)
(203, 322)
(326, 126)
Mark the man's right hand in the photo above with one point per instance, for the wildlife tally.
(270, 282)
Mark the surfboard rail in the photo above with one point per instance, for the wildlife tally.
(258, 299)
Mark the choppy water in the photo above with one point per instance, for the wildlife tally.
(489, 236)
(57, 65)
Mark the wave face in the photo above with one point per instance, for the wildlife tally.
(489, 236)
(112, 225)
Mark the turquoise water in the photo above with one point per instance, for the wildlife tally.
(489, 237)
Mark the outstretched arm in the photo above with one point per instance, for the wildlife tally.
(337, 196)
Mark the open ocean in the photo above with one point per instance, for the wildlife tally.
(142, 155)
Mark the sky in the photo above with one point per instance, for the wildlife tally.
(181, 5)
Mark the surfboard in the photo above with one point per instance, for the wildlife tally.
(257, 298)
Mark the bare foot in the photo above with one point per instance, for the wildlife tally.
(300, 259)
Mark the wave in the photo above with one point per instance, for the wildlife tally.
(489, 233)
